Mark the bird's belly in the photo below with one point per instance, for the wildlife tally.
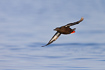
(64, 32)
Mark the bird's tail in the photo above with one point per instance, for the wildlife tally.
(74, 29)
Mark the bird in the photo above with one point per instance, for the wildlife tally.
(64, 30)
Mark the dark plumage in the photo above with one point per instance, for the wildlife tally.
(64, 30)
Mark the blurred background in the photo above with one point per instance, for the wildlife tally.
(26, 25)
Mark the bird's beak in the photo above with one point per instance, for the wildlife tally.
(55, 29)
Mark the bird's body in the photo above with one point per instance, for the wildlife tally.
(63, 30)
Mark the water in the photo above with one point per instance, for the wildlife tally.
(66, 56)
(26, 25)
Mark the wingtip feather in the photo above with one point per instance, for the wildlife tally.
(81, 19)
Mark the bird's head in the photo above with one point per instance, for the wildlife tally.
(56, 29)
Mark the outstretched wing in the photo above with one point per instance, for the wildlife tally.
(74, 23)
(57, 34)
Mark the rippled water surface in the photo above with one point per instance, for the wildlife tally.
(26, 25)
(66, 56)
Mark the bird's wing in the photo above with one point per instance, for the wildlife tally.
(74, 23)
(57, 34)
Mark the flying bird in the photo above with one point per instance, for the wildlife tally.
(63, 30)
